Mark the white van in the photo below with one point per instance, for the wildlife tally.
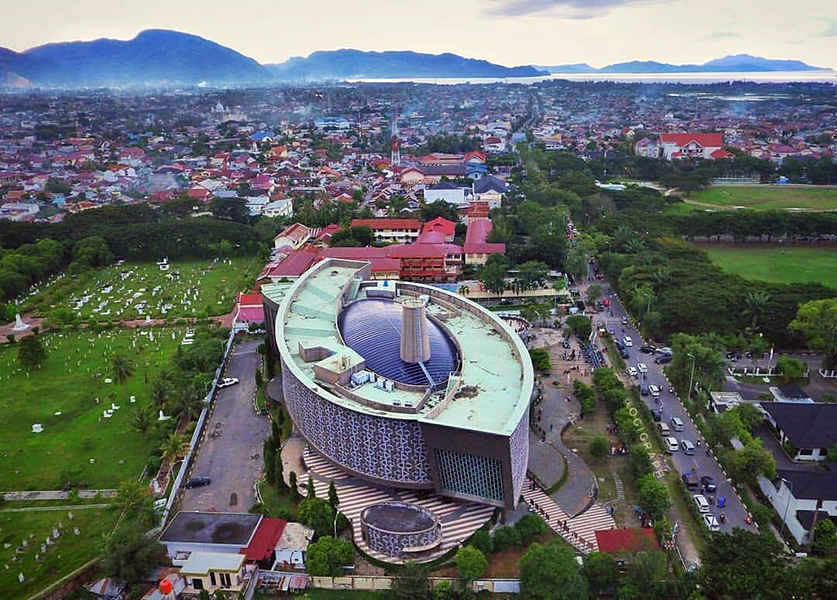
(664, 429)
(702, 503)
(676, 424)
(671, 445)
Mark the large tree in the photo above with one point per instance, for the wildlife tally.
(470, 564)
(411, 583)
(601, 571)
(327, 556)
(653, 496)
(317, 514)
(551, 571)
(131, 554)
(743, 565)
(121, 367)
(31, 352)
(817, 321)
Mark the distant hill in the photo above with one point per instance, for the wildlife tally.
(154, 56)
(357, 64)
(571, 68)
(738, 63)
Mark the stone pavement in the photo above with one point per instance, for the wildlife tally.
(56, 495)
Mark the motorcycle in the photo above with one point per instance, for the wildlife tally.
(723, 518)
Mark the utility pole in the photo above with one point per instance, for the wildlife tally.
(692, 376)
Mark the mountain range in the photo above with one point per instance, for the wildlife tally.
(734, 63)
(158, 56)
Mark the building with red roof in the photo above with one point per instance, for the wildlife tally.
(440, 224)
(477, 249)
(248, 309)
(391, 230)
(263, 542)
(690, 145)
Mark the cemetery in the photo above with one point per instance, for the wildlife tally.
(39, 547)
(140, 290)
(68, 423)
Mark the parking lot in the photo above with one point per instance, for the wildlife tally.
(230, 452)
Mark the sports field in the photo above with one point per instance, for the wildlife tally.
(765, 197)
(68, 397)
(136, 290)
(777, 263)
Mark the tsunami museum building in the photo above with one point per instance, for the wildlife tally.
(406, 386)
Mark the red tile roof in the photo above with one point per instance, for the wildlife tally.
(475, 238)
(440, 224)
(707, 140)
(249, 299)
(265, 539)
(294, 265)
(614, 541)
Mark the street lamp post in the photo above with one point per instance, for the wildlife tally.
(692, 376)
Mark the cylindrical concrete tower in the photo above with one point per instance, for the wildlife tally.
(415, 342)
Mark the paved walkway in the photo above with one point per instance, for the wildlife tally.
(56, 495)
(459, 519)
(69, 507)
(545, 460)
(578, 531)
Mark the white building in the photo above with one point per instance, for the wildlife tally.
(802, 498)
(284, 207)
(447, 192)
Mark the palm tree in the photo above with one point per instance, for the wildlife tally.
(173, 448)
(134, 498)
(662, 277)
(142, 420)
(121, 367)
(755, 306)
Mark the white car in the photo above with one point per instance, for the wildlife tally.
(629, 343)
(227, 382)
(642, 367)
(632, 372)
(654, 390)
(671, 444)
(711, 522)
(702, 503)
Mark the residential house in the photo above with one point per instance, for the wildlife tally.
(490, 189)
(477, 249)
(802, 498)
(282, 207)
(448, 228)
(293, 236)
(807, 430)
(690, 145)
(211, 571)
(447, 191)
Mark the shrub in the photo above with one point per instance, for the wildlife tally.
(506, 537)
(482, 541)
(530, 527)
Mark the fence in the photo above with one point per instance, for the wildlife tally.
(383, 582)
(196, 436)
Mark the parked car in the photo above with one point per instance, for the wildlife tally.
(663, 359)
(643, 389)
(658, 416)
(633, 372)
(665, 350)
(711, 522)
(628, 341)
(688, 447)
(702, 503)
(654, 390)
(671, 445)
(623, 352)
(642, 367)
(691, 481)
(676, 424)
(196, 482)
(227, 382)
(708, 484)
(624, 320)
(664, 429)
(648, 349)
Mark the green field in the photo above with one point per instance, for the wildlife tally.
(78, 445)
(764, 197)
(777, 263)
(67, 553)
(136, 290)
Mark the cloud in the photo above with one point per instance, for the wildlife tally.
(573, 9)
(722, 35)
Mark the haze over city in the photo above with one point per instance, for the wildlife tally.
(509, 32)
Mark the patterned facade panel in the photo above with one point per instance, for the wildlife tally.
(519, 448)
(470, 474)
(393, 544)
(391, 450)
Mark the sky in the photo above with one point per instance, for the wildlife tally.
(509, 32)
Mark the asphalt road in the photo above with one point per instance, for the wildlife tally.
(699, 463)
(231, 449)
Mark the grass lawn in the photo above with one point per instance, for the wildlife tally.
(777, 263)
(136, 290)
(79, 434)
(277, 503)
(765, 197)
(64, 556)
